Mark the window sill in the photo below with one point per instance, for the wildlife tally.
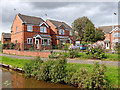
(29, 44)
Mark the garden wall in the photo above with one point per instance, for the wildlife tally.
(28, 53)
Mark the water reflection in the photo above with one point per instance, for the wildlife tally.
(18, 81)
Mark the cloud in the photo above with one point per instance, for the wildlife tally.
(100, 13)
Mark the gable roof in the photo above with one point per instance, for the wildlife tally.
(31, 19)
(108, 29)
(59, 23)
(6, 35)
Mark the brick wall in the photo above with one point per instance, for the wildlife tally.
(28, 53)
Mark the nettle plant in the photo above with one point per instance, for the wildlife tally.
(95, 51)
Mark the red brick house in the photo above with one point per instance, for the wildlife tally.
(30, 31)
(60, 32)
(5, 38)
(112, 35)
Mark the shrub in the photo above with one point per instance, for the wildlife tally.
(31, 48)
(73, 53)
(79, 76)
(43, 73)
(66, 46)
(96, 79)
(60, 46)
(95, 52)
(54, 55)
(57, 71)
(4, 45)
(12, 45)
(32, 67)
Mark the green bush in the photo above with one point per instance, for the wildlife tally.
(97, 53)
(43, 73)
(31, 48)
(96, 79)
(79, 77)
(57, 71)
(4, 45)
(54, 55)
(33, 67)
(12, 45)
(73, 53)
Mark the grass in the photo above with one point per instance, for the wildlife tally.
(14, 62)
(83, 56)
(111, 73)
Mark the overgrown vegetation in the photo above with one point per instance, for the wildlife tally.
(56, 71)
(111, 72)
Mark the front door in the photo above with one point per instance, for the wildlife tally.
(37, 43)
(107, 46)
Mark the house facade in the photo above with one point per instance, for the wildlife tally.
(112, 35)
(5, 38)
(30, 31)
(60, 32)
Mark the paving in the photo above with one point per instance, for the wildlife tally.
(89, 61)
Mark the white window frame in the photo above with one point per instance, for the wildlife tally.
(61, 31)
(29, 41)
(16, 29)
(70, 33)
(29, 28)
(48, 41)
(44, 29)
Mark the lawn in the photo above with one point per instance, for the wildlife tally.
(111, 74)
(83, 56)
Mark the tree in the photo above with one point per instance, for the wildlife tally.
(99, 35)
(79, 26)
(89, 33)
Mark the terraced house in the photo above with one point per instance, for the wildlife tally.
(112, 35)
(30, 31)
(60, 32)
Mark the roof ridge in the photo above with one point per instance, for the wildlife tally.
(29, 16)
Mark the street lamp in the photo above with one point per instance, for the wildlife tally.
(112, 29)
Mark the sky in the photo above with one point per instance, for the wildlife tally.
(100, 13)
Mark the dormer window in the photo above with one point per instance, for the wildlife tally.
(43, 29)
(61, 32)
(70, 33)
(29, 28)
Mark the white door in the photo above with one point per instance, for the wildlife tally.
(37, 43)
(107, 46)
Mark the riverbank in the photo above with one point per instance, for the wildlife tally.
(74, 60)
(111, 73)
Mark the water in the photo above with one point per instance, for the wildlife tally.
(12, 79)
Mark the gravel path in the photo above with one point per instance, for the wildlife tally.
(113, 63)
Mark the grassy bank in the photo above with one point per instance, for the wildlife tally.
(83, 56)
(112, 71)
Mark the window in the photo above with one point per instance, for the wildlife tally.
(6, 39)
(45, 42)
(70, 33)
(70, 41)
(43, 29)
(117, 34)
(48, 42)
(61, 32)
(16, 29)
(29, 28)
(29, 40)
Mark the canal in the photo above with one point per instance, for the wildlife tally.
(12, 79)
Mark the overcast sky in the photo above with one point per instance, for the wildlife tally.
(100, 13)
